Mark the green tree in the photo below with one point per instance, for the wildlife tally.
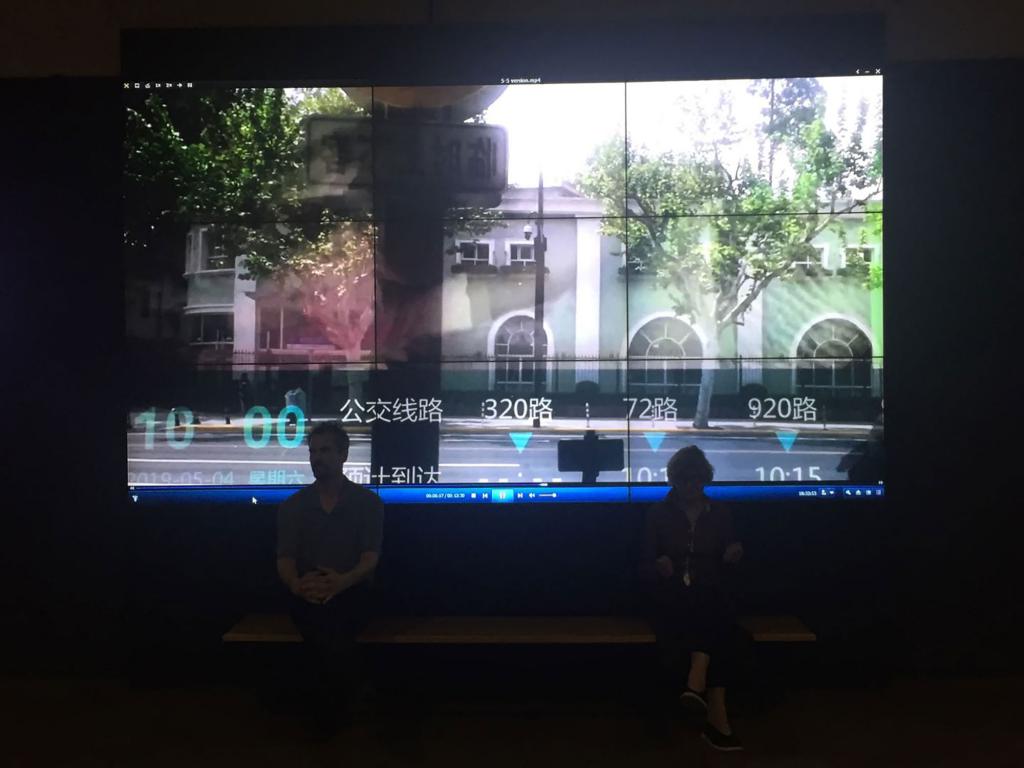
(716, 231)
(234, 160)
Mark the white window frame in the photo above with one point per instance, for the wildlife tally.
(202, 315)
(633, 362)
(510, 243)
(825, 263)
(492, 348)
(477, 241)
(204, 267)
(195, 263)
(869, 248)
(802, 362)
(822, 255)
(519, 383)
(190, 252)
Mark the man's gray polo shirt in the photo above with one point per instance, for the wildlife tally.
(334, 539)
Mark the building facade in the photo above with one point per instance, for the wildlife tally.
(819, 331)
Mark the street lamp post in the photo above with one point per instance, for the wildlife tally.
(539, 248)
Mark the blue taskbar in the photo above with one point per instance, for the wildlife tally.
(505, 494)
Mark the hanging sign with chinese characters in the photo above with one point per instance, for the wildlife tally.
(462, 158)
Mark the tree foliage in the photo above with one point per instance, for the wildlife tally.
(233, 160)
(716, 228)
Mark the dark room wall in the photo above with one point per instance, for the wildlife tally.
(56, 37)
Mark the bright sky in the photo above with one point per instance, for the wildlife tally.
(557, 127)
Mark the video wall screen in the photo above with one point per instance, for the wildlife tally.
(522, 283)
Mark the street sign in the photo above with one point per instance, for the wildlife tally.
(591, 455)
(354, 153)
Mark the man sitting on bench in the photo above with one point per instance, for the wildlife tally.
(328, 544)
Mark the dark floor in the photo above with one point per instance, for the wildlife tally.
(953, 722)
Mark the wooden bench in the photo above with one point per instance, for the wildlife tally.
(507, 630)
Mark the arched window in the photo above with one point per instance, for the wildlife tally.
(834, 358)
(514, 354)
(665, 352)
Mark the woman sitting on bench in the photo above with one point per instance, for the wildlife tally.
(687, 539)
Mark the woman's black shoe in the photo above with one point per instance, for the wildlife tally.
(694, 701)
(719, 740)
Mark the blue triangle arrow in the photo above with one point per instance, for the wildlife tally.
(654, 439)
(520, 439)
(787, 438)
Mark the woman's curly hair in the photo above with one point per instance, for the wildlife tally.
(687, 462)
